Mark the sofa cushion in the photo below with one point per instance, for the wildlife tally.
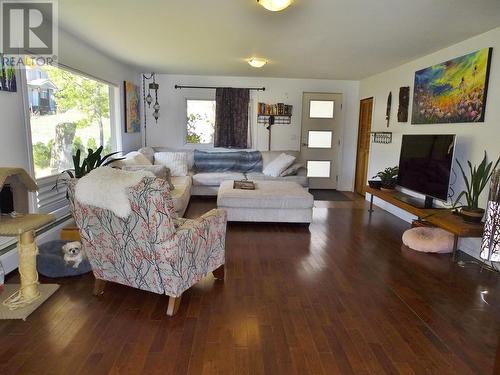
(175, 161)
(132, 158)
(267, 194)
(278, 165)
(181, 193)
(187, 151)
(292, 170)
(159, 171)
(215, 178)
(269, 156)
(148, 152)
(299, 179)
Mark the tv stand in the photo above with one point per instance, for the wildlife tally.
(444, 219)
(428, 202)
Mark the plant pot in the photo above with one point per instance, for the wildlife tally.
(375, 184)
(389, 184)
(472, 215)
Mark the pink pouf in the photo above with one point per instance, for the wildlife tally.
(428, 240)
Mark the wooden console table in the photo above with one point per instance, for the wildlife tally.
(441, 218)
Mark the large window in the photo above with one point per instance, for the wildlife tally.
(68, 111)
(200, 121)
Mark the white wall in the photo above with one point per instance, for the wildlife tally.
(472, 139)
(171, 128)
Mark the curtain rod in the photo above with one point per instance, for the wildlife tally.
(214, 88)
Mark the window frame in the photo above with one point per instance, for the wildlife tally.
(115, 124)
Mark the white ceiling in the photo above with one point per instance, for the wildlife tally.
(329, 39)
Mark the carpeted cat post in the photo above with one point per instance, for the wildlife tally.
(23, 225)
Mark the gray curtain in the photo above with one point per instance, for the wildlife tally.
(231, 117)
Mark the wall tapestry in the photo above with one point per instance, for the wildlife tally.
(404, 100)
(453, 91)
(7, 77)
(132, 108)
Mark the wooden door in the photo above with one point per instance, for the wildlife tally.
(320, 138)
(364, 129)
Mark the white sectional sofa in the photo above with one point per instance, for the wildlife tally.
(207, 183)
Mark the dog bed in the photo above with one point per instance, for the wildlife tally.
(50, 261)
(428, 240)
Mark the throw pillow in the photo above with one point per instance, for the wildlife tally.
(132, 158)
(159, 171)
(292, 170)
(278, 165)
(148, 152)
(175, 161)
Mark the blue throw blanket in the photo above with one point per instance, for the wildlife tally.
(231, 161)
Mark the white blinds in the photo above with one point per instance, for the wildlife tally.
(6, 241)
(51, 200)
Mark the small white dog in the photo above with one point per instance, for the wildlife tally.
(73, 253)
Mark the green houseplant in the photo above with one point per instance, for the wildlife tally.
(92, 161)
(475, 182)
(83, 166)
(388, 177)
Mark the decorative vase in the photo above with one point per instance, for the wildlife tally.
(490, 247)
(472, 215)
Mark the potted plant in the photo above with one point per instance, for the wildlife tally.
(475, 182)
(388, 177)
(91, 162)
(87, 164)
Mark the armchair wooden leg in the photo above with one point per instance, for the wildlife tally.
(173, 305)
(99, 287)
(219, 273)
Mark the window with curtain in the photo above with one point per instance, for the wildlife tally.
(231, 118)
(67, 111)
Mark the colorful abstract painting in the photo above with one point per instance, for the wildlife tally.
(7, 77)
(454, 91)
(132, 108)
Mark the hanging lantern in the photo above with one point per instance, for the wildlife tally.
(152, 86)
(490, 247)
(149, 99)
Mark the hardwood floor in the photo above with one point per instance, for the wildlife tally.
(341, 297)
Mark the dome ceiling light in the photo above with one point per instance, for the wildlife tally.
(275, 5)
(257, 62)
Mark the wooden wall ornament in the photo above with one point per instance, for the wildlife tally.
(388, 110)
(404, 101)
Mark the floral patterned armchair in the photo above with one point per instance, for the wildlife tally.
(151, 249)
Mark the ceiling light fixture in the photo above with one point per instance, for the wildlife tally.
(275, 5)
(257, 62)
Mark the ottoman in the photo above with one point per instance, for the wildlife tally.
(428, 240)
(271, 201)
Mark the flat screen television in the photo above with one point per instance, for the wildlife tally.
(425, 164)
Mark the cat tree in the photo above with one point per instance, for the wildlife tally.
(23, 226)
